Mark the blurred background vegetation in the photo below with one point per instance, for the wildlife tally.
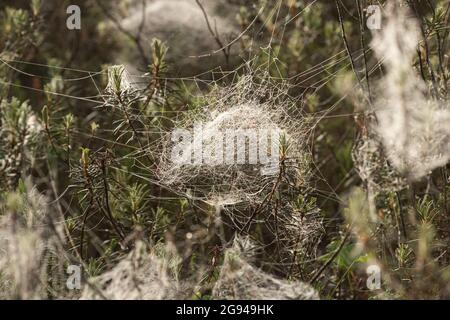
(63, 139)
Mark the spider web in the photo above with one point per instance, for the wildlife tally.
(250, 85)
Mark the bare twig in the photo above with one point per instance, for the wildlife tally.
(224, 49)
(347, 47)
(363, 45)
